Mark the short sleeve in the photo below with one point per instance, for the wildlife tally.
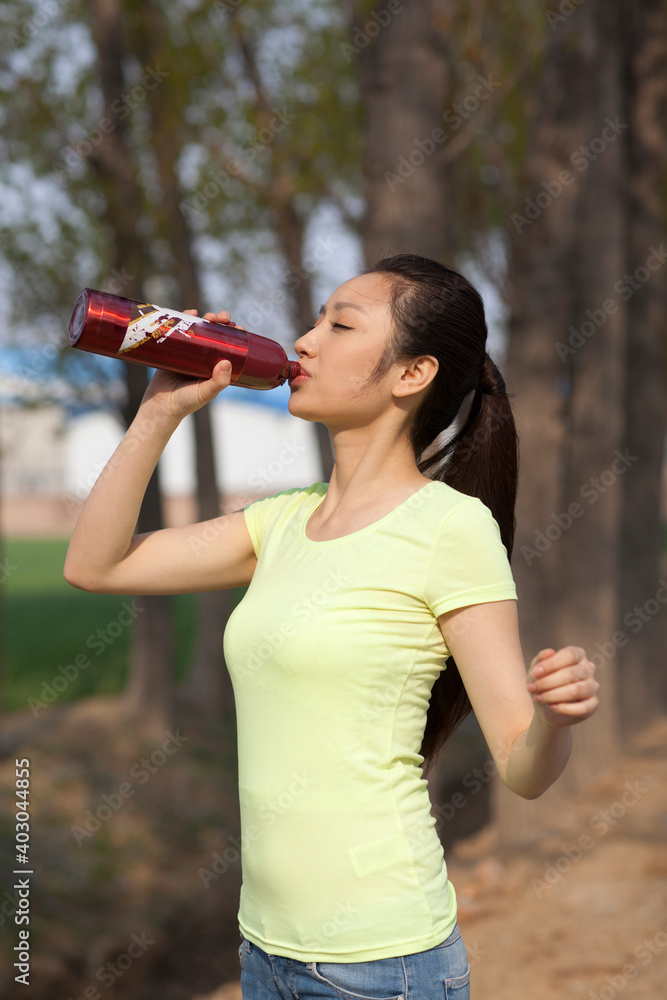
(260, 514)
(254, 514)
(469, 564)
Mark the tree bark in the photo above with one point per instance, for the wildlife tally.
(575, 358)
(279, 194)
(642, 684)
(148, 691)
(208, 685)
(405, 80)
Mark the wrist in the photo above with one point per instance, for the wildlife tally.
(547, 732)
(152, 414)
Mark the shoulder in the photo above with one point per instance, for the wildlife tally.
(448, 507)
(288, 498)
(282, 504)
(274, 512)
(460, 524)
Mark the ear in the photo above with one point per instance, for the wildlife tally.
(416, 376)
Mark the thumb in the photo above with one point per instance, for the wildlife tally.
(222, 372)
(207, 389)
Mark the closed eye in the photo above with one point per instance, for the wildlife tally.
(339, 325)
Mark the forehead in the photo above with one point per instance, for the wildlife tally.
(370, 292)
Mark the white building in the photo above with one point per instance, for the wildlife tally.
(50, 458)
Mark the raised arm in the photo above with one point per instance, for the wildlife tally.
(104, 554)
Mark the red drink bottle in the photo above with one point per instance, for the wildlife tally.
(163, 338)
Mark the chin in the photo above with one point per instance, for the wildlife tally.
(300, 410)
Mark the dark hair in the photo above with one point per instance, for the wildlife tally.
(436, 311)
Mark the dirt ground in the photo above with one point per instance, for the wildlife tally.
(581, 914)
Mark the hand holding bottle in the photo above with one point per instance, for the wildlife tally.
(179, 395)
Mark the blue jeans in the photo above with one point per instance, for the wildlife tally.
(441, 973)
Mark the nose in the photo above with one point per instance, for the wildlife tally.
(304, 344)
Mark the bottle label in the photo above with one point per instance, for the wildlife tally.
(151, 322)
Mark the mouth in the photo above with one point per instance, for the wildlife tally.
(301, 377)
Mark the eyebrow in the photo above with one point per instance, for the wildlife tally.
(342, 305)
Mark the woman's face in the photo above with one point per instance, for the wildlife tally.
(341, 351)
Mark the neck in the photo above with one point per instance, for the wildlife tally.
(371, 462)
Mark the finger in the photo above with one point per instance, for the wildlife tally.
(563, 658)
(578, 691)
(579, 672)
(542, 655)
(192, 312)
(576, 709)
(221, 376)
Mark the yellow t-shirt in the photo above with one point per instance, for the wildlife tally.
(333, 653)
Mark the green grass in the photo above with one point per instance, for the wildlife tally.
(46, 623)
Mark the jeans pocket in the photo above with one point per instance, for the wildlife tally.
(458, 988)
(243, 951)
(360, 980)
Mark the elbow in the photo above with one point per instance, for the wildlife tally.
(77, 578)
(531, 793)
(526, 791)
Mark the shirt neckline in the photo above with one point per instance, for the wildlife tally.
(316, 543)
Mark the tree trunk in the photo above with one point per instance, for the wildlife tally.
(208, 685)
(571, 334)
(642, 686)
(148, 691)
(290, 230)
(405, 80)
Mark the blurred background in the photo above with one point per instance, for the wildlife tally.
(251, 155)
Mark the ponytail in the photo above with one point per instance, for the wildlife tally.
(436, 311)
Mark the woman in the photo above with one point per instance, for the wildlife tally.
(361, 591)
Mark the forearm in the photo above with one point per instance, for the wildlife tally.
(107, 521)
(537, 758)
